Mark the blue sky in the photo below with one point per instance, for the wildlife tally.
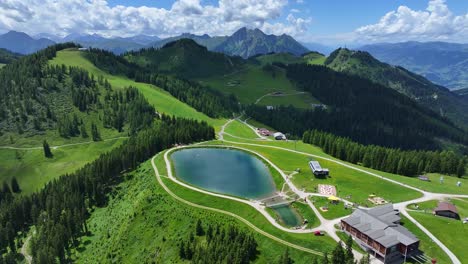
(329, 22)
(328, 16)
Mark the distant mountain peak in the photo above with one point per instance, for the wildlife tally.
(22, 43)
(250, 42)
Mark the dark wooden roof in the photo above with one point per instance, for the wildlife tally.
(445, 206)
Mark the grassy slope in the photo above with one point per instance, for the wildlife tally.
(427, 246)
(450, 231)
(33, 170)
(240, 130)
(143, 223)
(160, 99)
(251, 82)
(285, 58)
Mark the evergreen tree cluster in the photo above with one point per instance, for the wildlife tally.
(222, 245)
(409, 163)
(26, 86)
(365, 111)
(59, 210)
(128, 106)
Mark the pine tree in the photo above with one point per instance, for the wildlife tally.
(349, 250)
(47, 151)
(83, 132)
(461, 168)
(15, 186)
(95, 132)
(199, 229)
(338, 256)
(285, 258)
(325, 259)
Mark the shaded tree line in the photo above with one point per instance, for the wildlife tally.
(409, 163)
(59, 210)
(221, 245)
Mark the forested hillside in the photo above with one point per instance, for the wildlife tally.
(409, 163)
(204, 99)
(184, 58)
(418, 88)
(360, 109)
(7, 56)
(59, 211)
(40, 97)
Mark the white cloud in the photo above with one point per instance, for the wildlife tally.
(437, 22)
(63, 17)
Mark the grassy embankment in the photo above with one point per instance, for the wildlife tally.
(449, 231)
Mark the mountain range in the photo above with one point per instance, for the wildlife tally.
(22, 43)
(244, 42)
(417, 87)
(440, 62)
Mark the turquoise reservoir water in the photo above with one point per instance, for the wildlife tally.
(225, 171)
(288, 215)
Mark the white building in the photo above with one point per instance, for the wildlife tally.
(317, 169)
(279, 136)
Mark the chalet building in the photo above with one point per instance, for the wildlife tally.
(317, 170)
(446, 209)
(378, 230)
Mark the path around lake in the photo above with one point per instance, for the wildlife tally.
(243, 220)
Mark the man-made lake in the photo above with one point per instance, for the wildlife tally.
(232, 172)
(225, 171)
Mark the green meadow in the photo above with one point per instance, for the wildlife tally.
(449, 231)
(238, 129)
(33, 170)
(251, 83)
(448, 186)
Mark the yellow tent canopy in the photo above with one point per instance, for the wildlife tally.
(333, 198)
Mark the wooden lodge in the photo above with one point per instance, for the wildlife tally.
(446, 209)
(378, 231)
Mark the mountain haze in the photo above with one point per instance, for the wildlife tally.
(22, 43)
(440, 62)
(433, 96)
